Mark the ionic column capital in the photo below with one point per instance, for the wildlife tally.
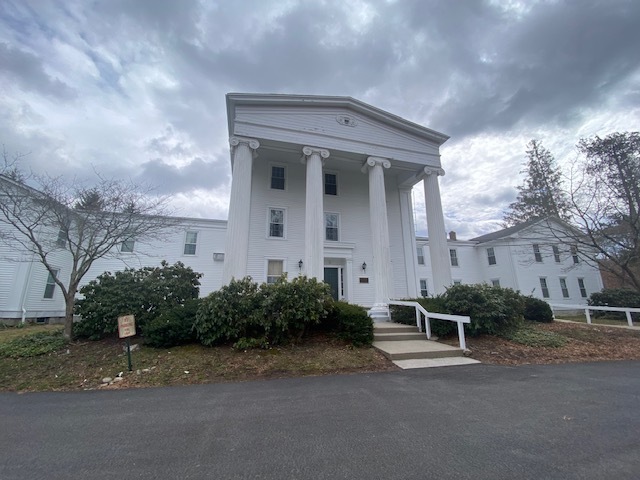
(373, 161)
(252, 143)
(309, 151)
(433, 171)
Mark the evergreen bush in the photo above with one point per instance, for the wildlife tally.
(615, 297)
(174, 326)
(352, 323)
(536, 310)
(407, 315)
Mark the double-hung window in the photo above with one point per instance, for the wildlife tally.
(563, 287)
(190, 243)
(583, 289)
(536, 253)
(275, 269)
(544, 287)
(420, 252)
(61, 241)
(127, 245)
(574, 254)
(276, 222)
(556, 253)
(50, 287)
(491, 256)
(495, 282)
(330, 184)
(278, 177)
(423, 288)
(453, 255)
(331, 221)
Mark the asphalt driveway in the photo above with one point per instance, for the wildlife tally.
(577, 421)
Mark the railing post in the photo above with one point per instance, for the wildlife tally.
(629, 321)
(463, 344)
(427, 326)
(418, 322)
(588, 315)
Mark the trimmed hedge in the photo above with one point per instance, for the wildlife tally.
(536, 310)
(174, 326)
(615, 297)
(352, 323)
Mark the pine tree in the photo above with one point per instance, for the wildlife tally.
(541, 194)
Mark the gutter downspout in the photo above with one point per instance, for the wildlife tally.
(27, 284)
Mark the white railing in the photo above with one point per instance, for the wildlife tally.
(586, 308)
(420, 310)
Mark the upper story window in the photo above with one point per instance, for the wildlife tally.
(61, 241)
(544, 287)
(190, 243)
(275, 269)
(583, 290)
(331, 221)
(50, 286)
(424, 292)
(491, 256)
(563, 287)
(453, 255)
(574, 254)
(278, 175)
(330, 184)
(536, 253)
(420, 252)
(556, 254)
(127, 245)
(276, 222)
(495, 282)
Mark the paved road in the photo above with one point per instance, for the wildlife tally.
(578, 421)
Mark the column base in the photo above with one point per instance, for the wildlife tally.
(380, 313)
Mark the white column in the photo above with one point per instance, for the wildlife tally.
(314, 213)
(409, 242)
(438, 251)
(237, 240)
(379, 237)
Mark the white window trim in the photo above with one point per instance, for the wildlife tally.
(324, 218)
(286, 177)
(566, 287)
(285, 270)
(582, 287)
(426, 284)
(46, 283)
(284, 227)
(324, 183)
(421, 249)
(495, 257)
(537, 253)
(557, 254)
(546, 286)
(133, 247)
(184, 243)
(455, 250)
(457, 281)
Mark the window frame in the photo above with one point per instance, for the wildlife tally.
(424, 291)
(284, 223)
(564, 288)
(61, 240)
(453, 257)
(457, 282)
(324, 183)
(283, 262)
(544, 287)
(129, 241)
(337, 228)
(537, 254)
(50, 285)
(420, 254)
(284, 178)
(556, 254)
(582, 287)
(575, 254)
(186, 243)
(495, 282)
(491, 255)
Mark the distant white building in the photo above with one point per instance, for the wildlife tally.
(321, 187)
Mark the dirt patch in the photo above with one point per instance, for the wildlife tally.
(585, 343)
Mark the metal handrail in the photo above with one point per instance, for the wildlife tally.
(586, 308)
(420, 310)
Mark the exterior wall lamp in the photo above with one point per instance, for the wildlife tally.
(300, 264)
(364, 266)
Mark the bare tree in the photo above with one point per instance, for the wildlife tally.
(49, 217)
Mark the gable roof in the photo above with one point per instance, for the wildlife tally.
(507, 232)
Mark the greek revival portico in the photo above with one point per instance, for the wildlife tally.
(372, 160)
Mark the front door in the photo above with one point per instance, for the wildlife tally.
(332, 277)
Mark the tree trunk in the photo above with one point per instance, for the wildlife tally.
(68, 316)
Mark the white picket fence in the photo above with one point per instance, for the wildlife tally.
(587, 308)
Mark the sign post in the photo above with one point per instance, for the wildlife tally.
(126, 329)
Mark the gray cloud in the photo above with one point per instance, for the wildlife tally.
(199, 173)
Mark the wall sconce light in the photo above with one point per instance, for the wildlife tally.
(364, 266)
(300, 263)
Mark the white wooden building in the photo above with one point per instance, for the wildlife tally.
(321, 186)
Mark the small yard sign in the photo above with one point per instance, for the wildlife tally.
(126, 326)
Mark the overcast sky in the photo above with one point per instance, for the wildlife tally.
(136, 88)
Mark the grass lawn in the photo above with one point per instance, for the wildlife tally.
(82, 365)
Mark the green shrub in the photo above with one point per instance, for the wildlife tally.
(492, 309)
(352, 323)
(145, 293)
(407, 315)
(230, 313)
(537, 310)
(174, 326)
(32, 345)
(615, 297)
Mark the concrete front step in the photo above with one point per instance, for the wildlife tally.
(413, 349)
(435, 362)
(389, 337)
(389, 327)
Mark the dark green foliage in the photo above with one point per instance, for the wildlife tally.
(245, 313)
(407, 315)
(32, 345)
(525, 335)
(615, 297)
(145, 293)
(537, 310)
(174, 326)
(352, 322)
(492, 309)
